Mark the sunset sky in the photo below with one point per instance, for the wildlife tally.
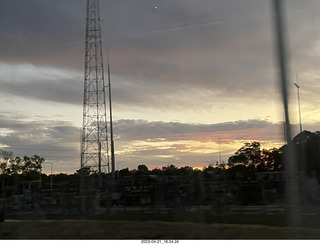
(188, 77)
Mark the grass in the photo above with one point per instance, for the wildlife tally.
(165, 224)
(120, 229)
(206, 217)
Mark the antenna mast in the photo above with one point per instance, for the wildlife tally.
(111, 125)
(94, 138)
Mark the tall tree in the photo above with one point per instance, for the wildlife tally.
(143, 168)
(248, 155)
(253, 157)
(25, 165)
(272, 159)
(307, 152)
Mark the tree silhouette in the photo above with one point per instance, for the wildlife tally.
(249, 155)
(143, 169)
(306, 147)
(23, 165)
(250, 159)
(272, 159)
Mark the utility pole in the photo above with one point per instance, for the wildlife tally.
(94, 138)
(111, 125)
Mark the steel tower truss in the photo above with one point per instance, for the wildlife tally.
(94, 144)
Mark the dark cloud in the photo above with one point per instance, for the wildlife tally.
(41, 83)
(138, 140)
(56, 141)
(37, 28)
(171, 131)
(61, 91)
(185, 47)
(47, 31)
(159, 143)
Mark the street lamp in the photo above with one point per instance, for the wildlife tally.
(298, 88)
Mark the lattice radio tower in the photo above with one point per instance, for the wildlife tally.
(94, 144)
